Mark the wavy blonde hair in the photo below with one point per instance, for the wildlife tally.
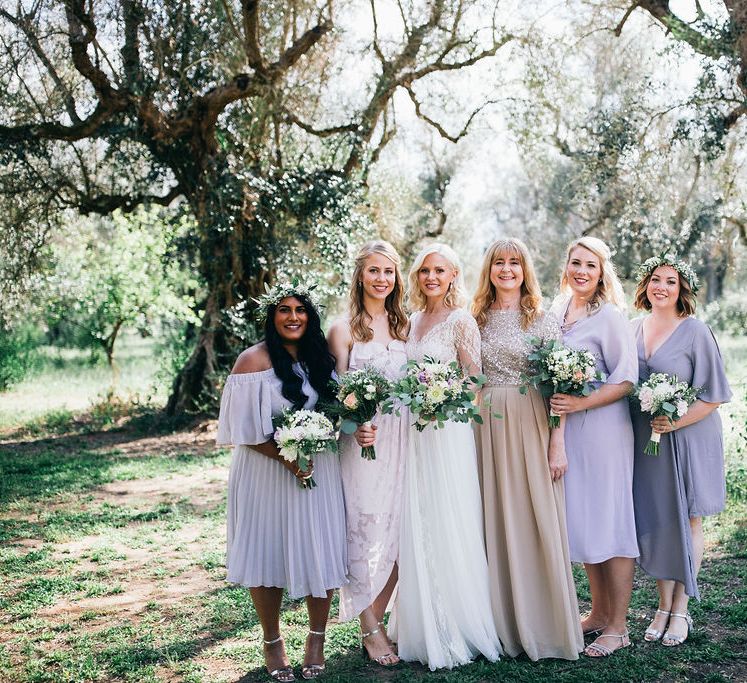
(530, 304)
(394, 302)
(455, 297)
(608, 288)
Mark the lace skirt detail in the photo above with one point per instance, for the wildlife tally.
(373, 501)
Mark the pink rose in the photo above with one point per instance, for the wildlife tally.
(350, 401)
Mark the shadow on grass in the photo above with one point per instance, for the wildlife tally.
(72, 463)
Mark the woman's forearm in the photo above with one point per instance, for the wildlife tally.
(607, 394)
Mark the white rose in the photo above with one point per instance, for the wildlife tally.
(663, 390)
(681, 408)
(435, 394)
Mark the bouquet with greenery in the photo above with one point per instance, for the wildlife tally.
(360, 393)
(663, 395)
(302, 434)
(558, 369)
(435, 392)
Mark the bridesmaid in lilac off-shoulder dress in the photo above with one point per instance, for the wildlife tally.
(599, 442)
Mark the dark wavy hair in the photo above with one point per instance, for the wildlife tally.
(313, 354)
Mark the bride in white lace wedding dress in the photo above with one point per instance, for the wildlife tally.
(442, 615)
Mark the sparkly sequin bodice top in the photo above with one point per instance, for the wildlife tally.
(505, 346)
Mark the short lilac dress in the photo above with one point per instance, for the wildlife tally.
(686, 479)
(599, 446)
(279, 535)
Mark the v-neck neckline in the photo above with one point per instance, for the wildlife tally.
(648, 357)
(433, 327)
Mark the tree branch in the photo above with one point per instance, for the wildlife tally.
(131, 48)
(105, 204)
(299, 48)
(434, 124)
(659, 10)
(290, 117)
(618, 29)
(451, 66)
(250, 17)
(24, 24)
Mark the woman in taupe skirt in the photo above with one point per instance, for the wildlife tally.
(521, 465)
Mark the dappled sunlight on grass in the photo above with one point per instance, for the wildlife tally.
(67, 382)
(112, 556)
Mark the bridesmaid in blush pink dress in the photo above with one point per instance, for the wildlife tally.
(373, 334)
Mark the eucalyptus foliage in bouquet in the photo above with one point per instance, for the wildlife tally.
(435, 393)
(302, 434)
(663, 395)
(360, 393)
(558, 369)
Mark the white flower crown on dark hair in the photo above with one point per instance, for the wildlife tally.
(669, 259)
(282, 290)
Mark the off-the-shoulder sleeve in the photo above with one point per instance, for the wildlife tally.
(467, 342)
(618, 346)
(246, 409)
(708, 367)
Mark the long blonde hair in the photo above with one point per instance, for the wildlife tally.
(359, 317)
(531, 296)
(609, 288)
(455, 297)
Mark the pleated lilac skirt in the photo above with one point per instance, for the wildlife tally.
(280, 535)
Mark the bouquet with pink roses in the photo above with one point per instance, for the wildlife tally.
(360, 393)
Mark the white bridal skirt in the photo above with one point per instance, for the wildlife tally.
(442, 615)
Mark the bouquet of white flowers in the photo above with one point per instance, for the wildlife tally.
(663, 395)
(558, 369)
(435, 392)
(360, 393)
(301, 434)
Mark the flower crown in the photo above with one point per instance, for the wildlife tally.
(282, 290)
(669, 259)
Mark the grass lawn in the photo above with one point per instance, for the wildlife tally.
(112, 534)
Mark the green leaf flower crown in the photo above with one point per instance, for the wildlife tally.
(669, 259)
(281, 290)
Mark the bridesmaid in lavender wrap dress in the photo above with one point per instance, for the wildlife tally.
(673, 491)
(281, 536)
(373, 334)
(599, 442)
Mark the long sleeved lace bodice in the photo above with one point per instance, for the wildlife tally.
(505, 346)
(455, 338)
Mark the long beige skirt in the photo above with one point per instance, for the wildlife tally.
(532, 592)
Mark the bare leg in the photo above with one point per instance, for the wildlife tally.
(267, 603)
(618, 576)
(678, 627)
(318, 609)
(378, 645)
(597, 618)
(658, 624)
(617, 583)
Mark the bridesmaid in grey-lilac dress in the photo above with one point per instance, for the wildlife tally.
(685, 482)
(599, 442)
